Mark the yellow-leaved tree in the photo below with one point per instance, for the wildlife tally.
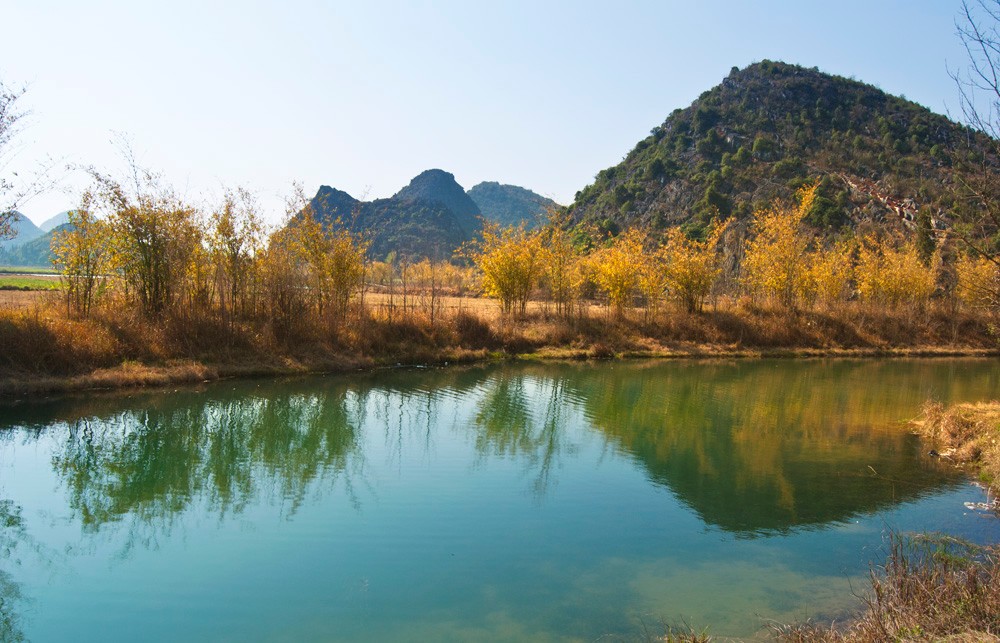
(617, 269)
(562, 267)
(510, 260)
(155, 235)
(82, 253)
(692, 266)
(652, 284)
(284, 281)
(235, 239)
(346, 266)
(775, 257)
(979, 282)
(893, 275)
(829, 273)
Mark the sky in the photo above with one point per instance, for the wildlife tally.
(364, 95)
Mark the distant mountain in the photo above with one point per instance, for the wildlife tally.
(55, 221)
(24, 231)
(770, 128)
(440, 187)
(430, 217)
(35, 253)
(511, 205)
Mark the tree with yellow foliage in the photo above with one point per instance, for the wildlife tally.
(893, 275)
(83, 254)
(562, 267)
(346, 265)
(652, 284)
(199, 284)
(979, 282)
(691, 266)
(618, 267)
(775, 258)
(154, 235)
(511, 262)
(311, 246)
(829, 273)
(234, 239)
(284, 281)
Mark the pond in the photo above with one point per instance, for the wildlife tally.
(509, 502)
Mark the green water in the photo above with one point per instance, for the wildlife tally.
(511, 502)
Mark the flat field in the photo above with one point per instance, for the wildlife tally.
(11, 281)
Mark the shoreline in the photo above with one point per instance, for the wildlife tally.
(132, 375)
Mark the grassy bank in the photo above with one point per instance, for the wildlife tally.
(929, 589)
(966, 434)
(933, 588)
(44, 349)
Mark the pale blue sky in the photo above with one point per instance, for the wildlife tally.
(365, 95)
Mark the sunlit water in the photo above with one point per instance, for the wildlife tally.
(537, 502)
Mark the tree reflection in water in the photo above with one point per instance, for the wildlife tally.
(753, 448)
(759, 447)
(750, 446)
(149, 464)
(525, 415)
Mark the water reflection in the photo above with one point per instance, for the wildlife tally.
(156, 456)
(12, 533)
(750, 446)
(761, 446)
(526, 415)
(754, 449)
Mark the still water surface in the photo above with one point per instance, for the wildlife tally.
(510, 502)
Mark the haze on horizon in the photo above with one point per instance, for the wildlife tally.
(364, 96)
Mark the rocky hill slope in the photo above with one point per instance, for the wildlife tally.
(772, 127)
(429, 218)
(511, 205)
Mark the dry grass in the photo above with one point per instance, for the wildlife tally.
(22, 299)
(930, 589)
(39, 341)
(967, 434)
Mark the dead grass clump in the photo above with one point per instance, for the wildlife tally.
(968, 434)
(404, 337)
(763, 327)
(599, 335)
(138, 337)
(132, 374)
(929, 589)
(472, 331)
(37, 341)
(193, 335)
(940, 324)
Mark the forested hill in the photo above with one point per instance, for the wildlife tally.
(429, 218)
(768, 129)
(511, 205)
(22, 230)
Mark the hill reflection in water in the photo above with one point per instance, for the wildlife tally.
(577, 494)
(750, 446)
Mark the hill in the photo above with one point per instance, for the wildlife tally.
(430, 217)
(440, 188)
(511, 205)
(54, 222)
(33, 253)
(768, 129)
(24, 230)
